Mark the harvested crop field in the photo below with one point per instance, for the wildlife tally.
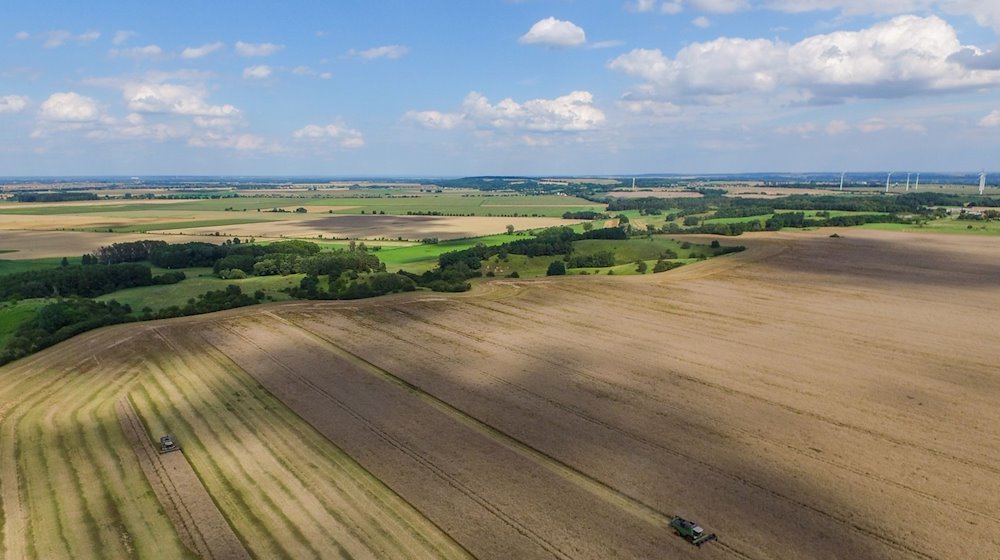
(381, 226)
(808, 398)
(46, 244)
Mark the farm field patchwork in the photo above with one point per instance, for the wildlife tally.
(792, 398)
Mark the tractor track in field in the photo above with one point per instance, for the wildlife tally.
(649, 511)
(427, 463)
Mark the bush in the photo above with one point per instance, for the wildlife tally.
(641, 267)
(556, 268)
(172, 277)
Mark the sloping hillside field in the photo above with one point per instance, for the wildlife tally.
(809, 398)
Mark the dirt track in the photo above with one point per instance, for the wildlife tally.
(809, 398)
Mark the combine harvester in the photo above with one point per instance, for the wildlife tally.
(691, 531)
(168, 445)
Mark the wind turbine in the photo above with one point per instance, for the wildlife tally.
(907, 182)
(633, 183)
(917, 186)
(887, 181)
(842, 180)
(982, 182)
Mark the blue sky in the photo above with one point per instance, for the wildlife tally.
(498, 87)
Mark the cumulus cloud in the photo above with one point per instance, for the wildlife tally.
(204, 50)
(257, 49)
(148, 97)
(257, 72)
(907, 55)
(338, 133)
(569, 113)
(554, 33)
(138, 53)
(13, 103)
(991, 120)
(390, 52)
(702, 22)
(69, 107)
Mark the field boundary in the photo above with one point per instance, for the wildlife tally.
(199, 523)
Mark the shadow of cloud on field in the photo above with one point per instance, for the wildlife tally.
(650, 452)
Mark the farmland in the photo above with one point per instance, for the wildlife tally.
(792, 398)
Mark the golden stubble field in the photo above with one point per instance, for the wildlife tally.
(808, 398)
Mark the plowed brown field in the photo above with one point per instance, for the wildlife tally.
(808, 398)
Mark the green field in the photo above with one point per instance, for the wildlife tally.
(8, 266)
(626, 251)
(159, 297)
(944, 225)
(419, 258)
(13, 314)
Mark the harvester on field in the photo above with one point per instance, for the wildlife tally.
(691, 531)
(167, 444)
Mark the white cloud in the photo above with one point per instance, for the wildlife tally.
(650, 107)
(837, 127)
(569, 113)
(720, 6)
(257, 72)
(344, 136)
(390, 52)
(22, 36)
(641, 6)
(879, 124)
(203, 50)
(907, 55)
(55, 39)
(175, 99)
(122, 37)
(435, 119)
(69, 107)
(606, 44)
(307, 71)
(13, 103)
(991, 120)
(138, 53)
(257, 49)
(671, 8)
(800, 129)
(702, 22)
(555, 33)
(239, 142)
(58, 38)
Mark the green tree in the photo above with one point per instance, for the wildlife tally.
(556, 268)
(510, 229)
(641, 267)
(587, 226)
